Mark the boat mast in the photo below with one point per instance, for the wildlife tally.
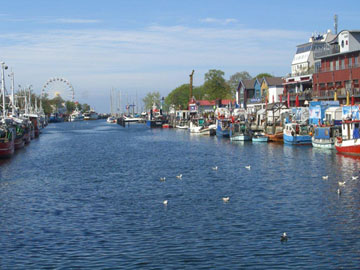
(11, 75)
(3, 67)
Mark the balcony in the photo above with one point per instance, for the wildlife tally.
(323, 70)
(341, 93)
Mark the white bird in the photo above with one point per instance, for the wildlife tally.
(179, 176)
(248, 167)
(341, 184)
(339, 191)
(165, 202)
(162, 178)
(355, 177)
(325, 177)
(215, 168)
(283, 237)
(226, 199)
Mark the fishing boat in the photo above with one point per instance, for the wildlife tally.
(349, 141)
(240, 132)
(222, 122)
(196, 125)
(259, 137)
(56, 118)
(76, 116)
(325, 137)
(7, 139)
(111, 120)
(182, 124)
(91, 115)
(296, 134)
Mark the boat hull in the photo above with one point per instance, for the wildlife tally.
(350, 147)
(260, 139)
(154, 123)
(279, 137)
(19, 143)
(297, 139)
(6, 149)
(240, 138)
(324, 144)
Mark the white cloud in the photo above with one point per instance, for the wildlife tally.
(79, 21)
(155, 58)
(219, 21)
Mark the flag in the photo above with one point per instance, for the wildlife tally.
(297, 104)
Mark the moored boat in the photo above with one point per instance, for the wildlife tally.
(239, 132)
(349, 141)
(296, 134)
(7, 139)
(325, 137)
(259, 137)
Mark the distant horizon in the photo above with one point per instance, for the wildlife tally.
(145, 46)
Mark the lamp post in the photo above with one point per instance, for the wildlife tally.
(3, 67)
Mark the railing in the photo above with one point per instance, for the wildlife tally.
(322, 70)
(340, 92)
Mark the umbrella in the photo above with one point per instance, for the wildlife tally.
(347, 98)
(352, 101)
(335, 96)
(297, 104)
(273, 99)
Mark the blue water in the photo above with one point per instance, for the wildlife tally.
(88, 195)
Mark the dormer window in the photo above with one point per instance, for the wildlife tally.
(342, 44)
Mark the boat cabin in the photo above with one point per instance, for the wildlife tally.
(333, 116)
(350, 130)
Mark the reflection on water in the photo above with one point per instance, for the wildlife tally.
(88, 195)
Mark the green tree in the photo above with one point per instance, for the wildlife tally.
(262, 75)
(150, 99)
(215, 85)
(235, 80)
(178, 97)
(85, 107)
(70, 106)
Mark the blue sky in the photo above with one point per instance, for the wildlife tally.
(142, 46)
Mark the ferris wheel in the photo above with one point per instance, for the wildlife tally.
(58, 87)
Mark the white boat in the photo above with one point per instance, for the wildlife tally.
(259, 137)
(325, 137)
(111, 120)
(349, 141)
(91, 115)
(76, 116)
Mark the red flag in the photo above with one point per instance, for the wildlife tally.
(352, 101)
(297, 104)
(288, 100)
(273, 99)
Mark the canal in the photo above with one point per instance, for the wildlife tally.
(88, 195)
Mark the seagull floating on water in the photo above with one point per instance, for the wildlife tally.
(284, 237)
(179, 176)
(215, 168)
(162, 178)
(341, 184)
(355, 177)
(325, 177)
(165, 202)
(226, 199)
(248, 167)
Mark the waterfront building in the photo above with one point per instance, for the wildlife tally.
(245, 91)
(338, 70)
(299, 82)
(272, 88)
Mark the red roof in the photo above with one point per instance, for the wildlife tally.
(212, 102)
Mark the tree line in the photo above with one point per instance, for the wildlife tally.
(215, 87)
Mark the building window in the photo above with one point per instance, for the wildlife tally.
(322, 86)
(350, 61)
(348, 85)
(356, 83)
(331, 65)
(342, 63)
(356, 61)
(342, 44)
(337, 65)
(338, 85)
(330, 85)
